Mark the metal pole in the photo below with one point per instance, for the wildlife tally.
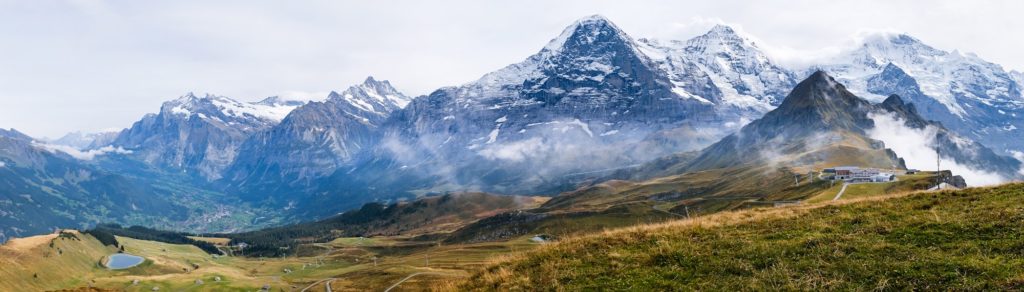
(938, 168)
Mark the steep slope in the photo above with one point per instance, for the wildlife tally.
(742, 76)
(822, 124)
(49, 262)
(434, 215)
(973, 97)
(199, 135)
(819, 121)
(774, 159)
(1017, 77)
(314, 140)
(582, 104)
(979, 164)
(41, 190)
(952, 240)
(819, 124)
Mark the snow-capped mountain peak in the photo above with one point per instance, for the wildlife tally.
(586, 31)
(723, 41)
(373, 96)
(743, 75)
(588, 50)
(269, 110)
(720, 34)
(279, 101)
(888, 43)
(974, 97)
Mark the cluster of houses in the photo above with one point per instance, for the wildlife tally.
(857, 174)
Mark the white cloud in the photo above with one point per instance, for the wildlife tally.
(79, 154)
(1020, 157)
(915, 147)
(515, 151)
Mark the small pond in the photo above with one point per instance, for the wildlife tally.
(119, 261)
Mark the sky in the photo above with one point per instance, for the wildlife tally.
(90, 65)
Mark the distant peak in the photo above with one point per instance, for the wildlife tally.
(593, 18)
(818, 88)
(820, 76)
(894, 100)
(722, 29)
(896, 104)
(383, 86)
(893, 70)
(587, 30)
(891, 39)
(279, 101)
(718, 35)
(333, 95)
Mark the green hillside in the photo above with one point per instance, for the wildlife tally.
(962, 240)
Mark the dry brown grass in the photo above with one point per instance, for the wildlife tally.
(500, 268)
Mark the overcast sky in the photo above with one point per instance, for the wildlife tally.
(92, 65)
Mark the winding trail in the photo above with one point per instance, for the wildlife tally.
(328, 280)
(319, 259)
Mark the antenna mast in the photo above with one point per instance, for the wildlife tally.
(938, 168)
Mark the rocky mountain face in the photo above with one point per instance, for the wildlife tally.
(741, 76)
(821, 123)
(314, 140)
(591, 100)
(199, 135)
(1017, 77)
(970, 96)
(815, 118)
(42, 189)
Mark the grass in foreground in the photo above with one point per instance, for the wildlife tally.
(960, 240)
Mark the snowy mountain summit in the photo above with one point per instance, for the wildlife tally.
(199, 135)
(315, 139)
(971, 96)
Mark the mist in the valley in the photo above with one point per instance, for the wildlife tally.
(82, 154)
(542, 154)
(917, 148)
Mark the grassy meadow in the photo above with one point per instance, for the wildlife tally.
(968, 239)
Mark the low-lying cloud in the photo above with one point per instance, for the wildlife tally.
(80, 154)
(917, 148)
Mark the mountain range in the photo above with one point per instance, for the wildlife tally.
(593, 104)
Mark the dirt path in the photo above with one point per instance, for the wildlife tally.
(320, 259)
(841, 191)
(328, 280)
(409, 277)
